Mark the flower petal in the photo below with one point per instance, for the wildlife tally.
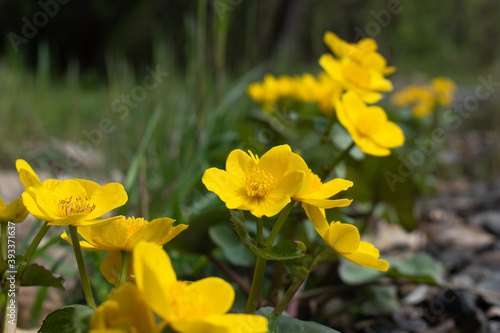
(367, 256)
(327, 203)
(389, 135)
(276, 160)
(111, 265)
(342, 237)
(153, 275)
(158, 231)
(45, 201)
(220, 182)
(83, 244)
(317, 218)
(107, 198)
(268, 206)
(238, 165)
(331, 188)
(111, 235)
(32, 207)
(28, 176)
(213, 296)
(229, 323)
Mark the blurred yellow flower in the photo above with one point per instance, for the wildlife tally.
(369, 127)
(344, 239)
(73, 202)
(123, 234)
(263, 186)
(14, 212)
(444, 89)
(364, 52)
(314, 192)
(124, 311)
(355, 77)
(199, 306)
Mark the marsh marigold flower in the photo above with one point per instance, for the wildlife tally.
(444, 89)
(124, 311)
(345, 240)
(369, 127)
(14, 212)
(314, 192)
(123, 234)
(263, 186)
(73, 202)
(199, 306)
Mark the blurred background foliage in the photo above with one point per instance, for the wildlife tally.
(79, 68)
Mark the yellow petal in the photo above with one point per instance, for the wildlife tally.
(327, 203)
(367, 256)
(276, 160)
(238, 165)
(232, 193)
(107, 198)
(111, 236)
(88, 185)
(32, 207)
(85, 222)
(69, 188)
(268, 206)
(317, 217)
(158, 231)
(45, 201)
(389, 135)
(50, 183)
(288, 185)
(154, 275)
(209, 296)
(331, 188)
(229, 323)
(342, 237)
(110, 267)
(368, 146)
(83, 244)
(28, 176)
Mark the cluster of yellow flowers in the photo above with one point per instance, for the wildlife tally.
(264, 186)
(425, 98)
(200, 306)
(354, 77)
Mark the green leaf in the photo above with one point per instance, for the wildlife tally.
(286, 324)
(353, 274)
(69, 319)
(36, 275)
(284, 250)
(420, 268)
(234, 251)
(383, 299)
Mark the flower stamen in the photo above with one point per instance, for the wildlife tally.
(76, 205)
(259, 183)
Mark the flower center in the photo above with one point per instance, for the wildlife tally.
(75, 205)
(133, 224)
(259, 183)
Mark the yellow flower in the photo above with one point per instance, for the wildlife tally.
(364, 52)
(199, 306)
(314, 192)
(344, 239)
(13, 212)
(123, 234)
(262, 186)
(369, 127)
(73, 202)
(354, 77)
(423, 99)
(444, 89)
(124, 311)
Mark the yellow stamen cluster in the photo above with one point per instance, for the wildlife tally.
(259, 183)
(133, 224)
(76, 205)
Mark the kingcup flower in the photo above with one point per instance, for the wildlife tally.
(124, 311)
(314, 192)
(368, 126)
(74, 202)
(199, 306)
(123, 234)
(444, 89)
(14, 212)
(345, 240)
(263, 186)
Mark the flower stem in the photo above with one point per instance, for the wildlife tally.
(339, 159)
(297, 282)
(260, 231)
(328, 129)
(81, 266)
(3, 227)
(258, 275)
(279, 223)
(36, 241)
(124, 267)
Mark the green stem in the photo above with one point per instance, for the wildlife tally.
(3, 227)
(260, 231)
(81, 267)
(279, 223)
(297, 282)
(328, 129)
(339, 159)
(258, 275)
(124, 267)
(36, 241)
